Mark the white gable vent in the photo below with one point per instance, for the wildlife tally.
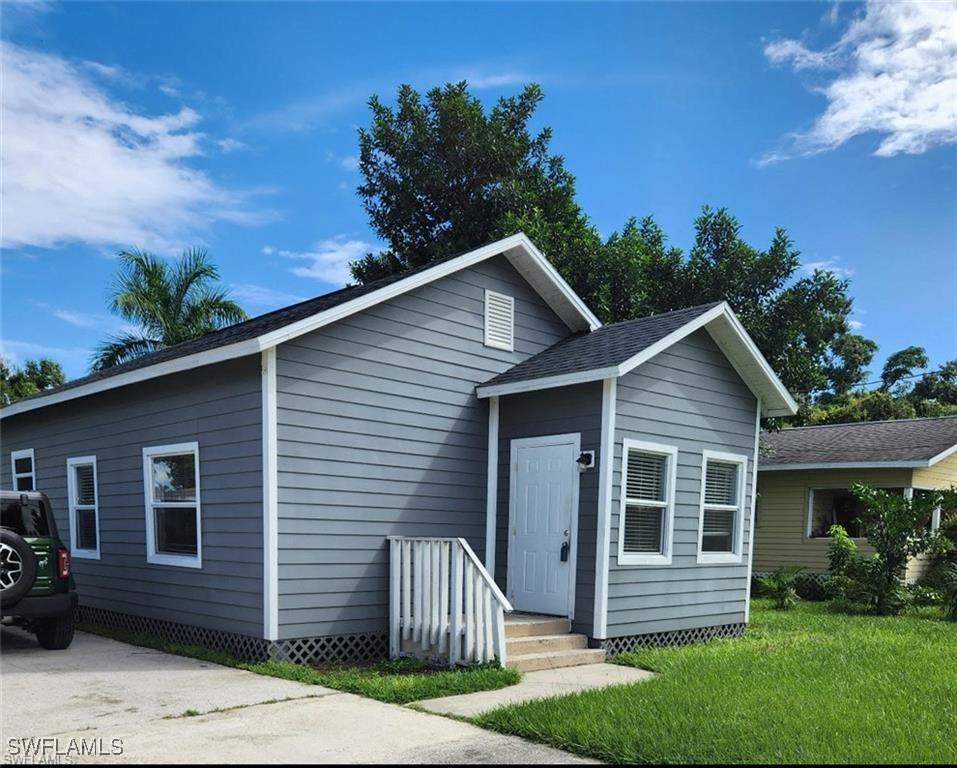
(499, 321)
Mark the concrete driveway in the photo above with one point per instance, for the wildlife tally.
(100, 689)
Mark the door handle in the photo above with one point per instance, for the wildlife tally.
(564, 554)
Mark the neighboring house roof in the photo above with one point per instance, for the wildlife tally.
(266, 331)
(614, 350)
(903, 443)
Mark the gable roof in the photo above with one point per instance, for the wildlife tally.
(268, 330)
(614, 350)
(903, 443)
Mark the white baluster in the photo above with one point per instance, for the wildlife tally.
(500, 634)
(487, 620)
(395, 564)
(469, 588)
(436, 574)
(426, 587)
(455, 628)
(406, 589)
(443, 597)
(417, 587)
(478, 587)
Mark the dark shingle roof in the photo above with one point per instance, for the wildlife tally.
(605, 347)
(906, 440)
(249, 329)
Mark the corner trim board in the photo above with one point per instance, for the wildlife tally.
(270, 448)
(609, 395)
(754, 503)
(491, 492)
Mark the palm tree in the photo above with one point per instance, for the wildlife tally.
(169, 302)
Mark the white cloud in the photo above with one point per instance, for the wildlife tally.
(329, 258)
(262, 296)
(895, 75)
(350, 163)
(855, 325)
(81, 166)
(74, 360)
(230, 145)
(829, 265)
(482, 79)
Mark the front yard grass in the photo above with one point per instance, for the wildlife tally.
(804, 686)
(397, 682)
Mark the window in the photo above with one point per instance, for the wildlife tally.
(24, 477)
(499, 321)
(835, 506)
(171, 480)
(647, 503)
(82, 503)
(721, 525)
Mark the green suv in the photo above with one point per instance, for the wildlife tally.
(37, 591)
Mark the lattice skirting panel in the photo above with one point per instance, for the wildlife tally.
(617, 645)
(334, 648)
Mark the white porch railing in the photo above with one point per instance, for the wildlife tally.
(442, 598)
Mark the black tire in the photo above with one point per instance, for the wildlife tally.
(55, 634)
(18, 568)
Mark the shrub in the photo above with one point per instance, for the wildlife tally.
(921, 595)
(779, 586)
(841, 551)
(810, 586)
(950, 592)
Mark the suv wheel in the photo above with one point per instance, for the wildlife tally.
(18, 568)
(55, 634)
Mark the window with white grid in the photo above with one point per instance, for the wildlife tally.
(647, 503)
(720, 530)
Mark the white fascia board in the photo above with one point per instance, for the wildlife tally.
(207, 357)
(546, 382)
(845, 465)
(942, 455)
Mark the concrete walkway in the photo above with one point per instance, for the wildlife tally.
(536, 685)
(102, 689)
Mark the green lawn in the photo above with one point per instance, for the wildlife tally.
(806, 686)
(397, 682)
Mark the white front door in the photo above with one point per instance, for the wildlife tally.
(543, 517)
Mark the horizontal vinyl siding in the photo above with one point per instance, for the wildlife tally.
(218, 406)
(566, 410)
(689, 397)
(380, 434)
(779, 534)
(942, 475)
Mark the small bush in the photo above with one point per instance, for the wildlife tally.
(921, 596)
(779, 586)
(810, 587)
(950, 592)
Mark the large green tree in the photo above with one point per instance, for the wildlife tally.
(169, 302)
(32, 378)
(901, 366)
(442, 176)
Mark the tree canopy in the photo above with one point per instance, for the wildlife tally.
(169, 303)
(32, 378)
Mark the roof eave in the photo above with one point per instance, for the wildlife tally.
(909, 464)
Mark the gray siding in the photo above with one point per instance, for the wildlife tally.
(380, 433)
(690, 397)
(218, 406)
(564, 410)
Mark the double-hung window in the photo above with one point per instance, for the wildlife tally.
(24, 475)
(83, 506)
(721, 522)
(647, 503)
(173, 521)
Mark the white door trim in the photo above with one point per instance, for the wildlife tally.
(573, 439)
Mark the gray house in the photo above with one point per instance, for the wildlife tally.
(416, 460)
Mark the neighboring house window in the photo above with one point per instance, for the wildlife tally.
(721, 523)
(173, 528)
(835, 506)
(24, 476)
(83, 506)
(499, 321)
(647, 503)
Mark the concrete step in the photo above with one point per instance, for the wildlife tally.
(523, 646)
(527, 625)
(556, 659)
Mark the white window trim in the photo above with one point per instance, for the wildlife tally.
(14, 475)
(733, 557)
(667, 527)
(511, 302)
(162, 558)
(71, 464)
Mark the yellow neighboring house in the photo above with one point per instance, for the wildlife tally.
(804, 474)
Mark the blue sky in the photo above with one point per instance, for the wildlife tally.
(234, 126)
